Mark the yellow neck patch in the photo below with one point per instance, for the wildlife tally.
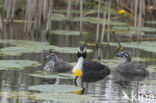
(78, 73)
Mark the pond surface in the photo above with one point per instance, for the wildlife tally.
(112, 89)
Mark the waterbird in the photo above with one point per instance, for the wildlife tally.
(56, 65)
(129, 67)
(88, 70)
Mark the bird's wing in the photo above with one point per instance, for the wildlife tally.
(49, 67)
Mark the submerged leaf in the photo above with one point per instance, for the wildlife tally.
(55, 88)
(17, 64)
(63, 97)
(66, 32)
(43, 74)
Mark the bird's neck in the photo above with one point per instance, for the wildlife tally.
(79, 64)
(128, 59)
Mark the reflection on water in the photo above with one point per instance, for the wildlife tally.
(109, 90)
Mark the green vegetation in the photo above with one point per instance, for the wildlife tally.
(17, 64)
(51, 75)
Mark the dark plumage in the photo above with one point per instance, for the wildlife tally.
(95, 68)
(92, 71)
(56, 65)
(129, 67)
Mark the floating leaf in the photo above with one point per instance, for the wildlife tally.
(67, 50)
(58, 97)
(95, 19)
(17, 64)
(146, 45)
(15, 51)
(66, 32)
(63, 97)
(43, 74)
(152, 68)
(131, 28)
(127, 33)
(140, 59)
(15, 94)
(151, 22)
(55, 88)
(25, 46)
(85, 12)
(58, 17)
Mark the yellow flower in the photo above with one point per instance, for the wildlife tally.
(78, 73)
(122, 11)
(78, 92)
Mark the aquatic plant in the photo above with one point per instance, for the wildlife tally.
(122, 11)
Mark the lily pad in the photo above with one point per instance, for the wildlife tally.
(68, 50)
(131, 28)
(58, 97)
(42, 74)
(65, 32)
(94, 20)
(58, 17)
(17, 64)
(127, 33)
(55, 88)
(146, 45)
(15, 94)
(63, 97)
(12, 51)
(152, 68)
(151, 22)
(24, 46)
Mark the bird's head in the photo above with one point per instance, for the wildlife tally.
(125, 54)
(82, 51)
(52, 57)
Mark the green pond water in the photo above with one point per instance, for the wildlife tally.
(22, 79)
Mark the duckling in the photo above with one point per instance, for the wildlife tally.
(129, 67)
(56, 65)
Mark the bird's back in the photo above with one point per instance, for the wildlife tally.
(95, 69)
(60, 66)
(132, 68)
